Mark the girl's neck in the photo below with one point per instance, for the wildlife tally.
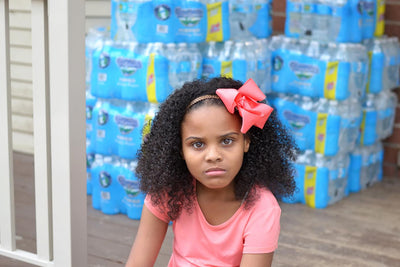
(223, 194)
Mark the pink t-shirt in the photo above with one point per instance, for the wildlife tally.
(198, 243)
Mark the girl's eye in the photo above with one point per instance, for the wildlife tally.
(227, 141)
(197, 145)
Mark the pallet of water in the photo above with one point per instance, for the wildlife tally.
(315, 69)
(343, 21)
(114, 186)
(322, 181)
(190, 21)
(116, 127)
(318, 124)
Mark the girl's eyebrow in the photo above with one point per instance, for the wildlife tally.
(222, 136)
(192, 137)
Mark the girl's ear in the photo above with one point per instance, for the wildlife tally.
(246, 143)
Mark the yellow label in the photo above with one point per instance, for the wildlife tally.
(369, 70)
(362, 127)
(226, 69)
(331, 74)
(151, 80)
(380, 18)
(147, 126)
(320, 133)
(310, 181)
(214, 18)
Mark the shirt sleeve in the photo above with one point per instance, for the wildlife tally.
(158, 211)
(262, 230)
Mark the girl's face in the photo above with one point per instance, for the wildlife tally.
(213, 146)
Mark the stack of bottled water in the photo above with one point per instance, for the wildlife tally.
(347, 21)
(331, 84)
(378, 112)
(239, 60)
(190, 21)
(152, 48)
(124, 83)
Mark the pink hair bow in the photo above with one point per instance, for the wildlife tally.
(245, 100)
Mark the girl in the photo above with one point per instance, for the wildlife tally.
(213, 159)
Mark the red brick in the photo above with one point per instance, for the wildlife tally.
(392, 29)
(397, 116)
(279, 6)
(278, 24)
(391, 154)
(397, 92)
(392, 12)
(391, 171)
(395, 137)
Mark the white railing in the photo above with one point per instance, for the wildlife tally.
(58, 28)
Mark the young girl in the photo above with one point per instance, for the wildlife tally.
(213, 160)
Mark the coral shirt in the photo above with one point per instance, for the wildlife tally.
(198, 243)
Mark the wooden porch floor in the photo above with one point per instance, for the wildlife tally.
(360, 230)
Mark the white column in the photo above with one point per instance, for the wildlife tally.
(7, 216)
(41, 116)
(68, 141)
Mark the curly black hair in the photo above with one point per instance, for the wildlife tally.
(162, 170)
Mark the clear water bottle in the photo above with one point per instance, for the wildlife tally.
(307, 158)
(393, 66)
(185, 72)
(225, 58)
(314, 49)
(173, 65)
(322, 21)
(355, 31)
(339, 26)
(93, 41)
(239, 61)
(126, 15)
(251, 60)
(308, 13)
(211, 63)
(263, 77)
(368, 18)
(197, 59)
(350, 112)
(377, 66)
(241, 17)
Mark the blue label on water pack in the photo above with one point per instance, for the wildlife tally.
(133, 198)
(368, 18)
(192, 17)
(239, 70)
(129, 132)
(103, 133)
(262, 27)
(156, 22)
(342, 20)
(355, 21)
(303, 75)
(101, 82)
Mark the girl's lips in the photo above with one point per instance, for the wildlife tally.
(215, 172)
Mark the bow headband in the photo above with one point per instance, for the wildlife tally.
(245, 101)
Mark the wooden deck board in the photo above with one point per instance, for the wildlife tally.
(361, 230)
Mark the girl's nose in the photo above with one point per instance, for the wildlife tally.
(213, 154)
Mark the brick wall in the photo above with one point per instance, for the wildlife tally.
(391, 166)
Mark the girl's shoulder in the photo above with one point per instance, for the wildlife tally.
(264, 199)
